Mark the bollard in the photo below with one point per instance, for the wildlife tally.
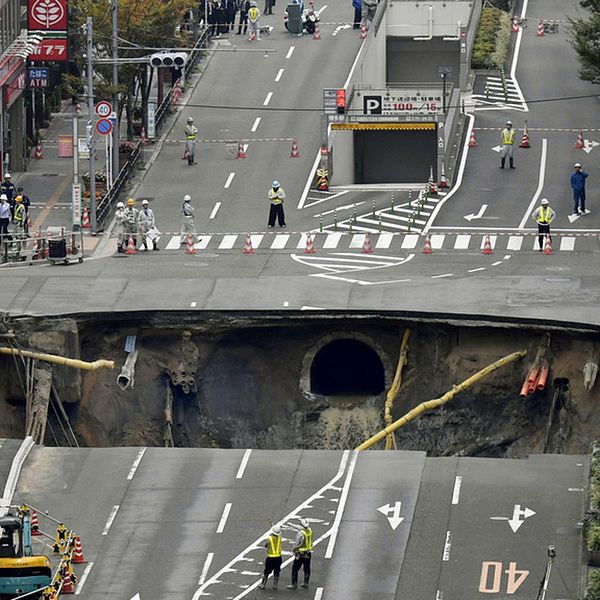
(410, 197)
(380, 225)
(354, 214)
(373, 207)
(350, 229)
(334, 220)
(321, 223)
(392, 202)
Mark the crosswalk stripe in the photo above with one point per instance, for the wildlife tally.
(357, 240)
(173, 243)
(302, 242)
(280, 241)
(492, 241)
(514, 242)
(203, 243)
(227, 242)
(256, 239)
(437, 241)
(410, 241)
(332, 240)
(384, 240)
(462, 242)
(567, 243)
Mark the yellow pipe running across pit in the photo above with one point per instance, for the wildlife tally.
(61, 360)
(390, 441)
(425, 406)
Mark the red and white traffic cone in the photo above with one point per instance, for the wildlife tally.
(548, 245)
(248, 249)
(472, 140)
(143, 137)
(39, 153)
(431, 183)
(317, 33)
(310, 245)
(67, 584)
(35, 524)
(185, 154)
(78, 557)
(241, 153)
(252, 37)
(525, 141)
(487, 246)
(540, 28)
(130, 246)
(189, 244)
(85, 218)
(515, 25)
(579, 144)
(78, 108)
(427, 246)
(363, 32)
(443, 181)
(295, 153)
(367, 248)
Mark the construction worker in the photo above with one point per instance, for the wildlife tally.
(4, 218)
(276, 196)
(187, 220)
(191, 131)
(254, 21)
(507, 140)
(130, 215)
(147, 226)
(543, 215)
(26, 204)
(19, 219)
(302, 554)
(273, 561)
(120, 227)
(578, 186)
(8, 187)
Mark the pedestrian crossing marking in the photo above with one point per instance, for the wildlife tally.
(280, 241)
(256, 239)
(384, 240)
(357, 240)
(462, 242)
(302, 243)
(437, 241)
(410, 241)
(227, 242)
(332, 240)
(567, 243)
(203, 243)
(515, 242)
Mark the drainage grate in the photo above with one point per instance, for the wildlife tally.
(569, 530)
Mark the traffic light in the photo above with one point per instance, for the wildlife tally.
(168, 59)
(340, 101)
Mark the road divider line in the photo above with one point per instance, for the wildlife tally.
(136, 463)
(206, 567)
(256, 123)
(540, 186)
(229, 180)
(215, 210)
(242, 468)
(224, 516)
(447, 545)
(111, 518)
(84, 576)
(318, 593)
(268, 99)
(341, 505)
(290, 52)
(456, 490)
(279, 74)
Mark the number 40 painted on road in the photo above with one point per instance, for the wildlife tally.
(491, 577)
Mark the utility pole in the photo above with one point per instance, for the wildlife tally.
(115, 83)
(546, 580)
(90, 126)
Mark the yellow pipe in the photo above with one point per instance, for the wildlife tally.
(425, 406)
(61, 360)
(390, 441)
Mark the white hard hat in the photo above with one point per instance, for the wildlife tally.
(7, 175)
(509, 122)
(120, 205)
(190, 119)
(276, 184)
(144, 202)
(545, 201)
(276, 529)
(187, 198)
(578, 165)
(3, 197)
(304, 523)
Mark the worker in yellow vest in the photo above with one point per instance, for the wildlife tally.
(303, 545)
(507, 141)
(254, 21)
(273, 561)
(543, 215)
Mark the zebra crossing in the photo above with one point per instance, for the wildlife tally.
(494, 94)
(386, 240)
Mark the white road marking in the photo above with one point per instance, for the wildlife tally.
(215, 210)
(286, 304)
(224, 516)
(322, 9)
(268, 99)
(279, 74)
(280, 241)
(136, 463)
(498, 262)
(442, 276)
(475, 270)
(540, 186)
(330, 197)
(446, 556)
(193, 304)
(439, 595)
(410, 241)
(437, 241)
(462, 242)
(227, 242)
(84, 576)
(206, 567)
(243, 464)
(332, 240)
(256, 123)
(340, 510)
(576, 489)
(567, 243)
(357, 240)
(302, 243)
(256, 240)
(514, 242)
(456, 490)
(229, 180)
(290, 52)
(111, 518)
(318, 593)
(384, 240)
(174, 243)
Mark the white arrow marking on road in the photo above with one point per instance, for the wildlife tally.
(589, 145)
(573, 218)
(497, 148)
(394, 519)
(472, 216)
(338, 29)
(136, 597)
(516, 521)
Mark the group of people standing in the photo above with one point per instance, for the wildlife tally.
(221, 15)
(14, 208)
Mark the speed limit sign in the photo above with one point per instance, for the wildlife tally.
(103, 109)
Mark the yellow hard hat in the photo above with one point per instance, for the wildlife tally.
(130, 202)
(19, 199)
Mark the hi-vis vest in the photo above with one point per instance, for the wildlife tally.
(276, 196)
(544, 216)
(190, 132)
(507, 136)
(274, 547)
(253, 14)
(19, 215)
(307, 545)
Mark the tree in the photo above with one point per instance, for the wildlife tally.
(585, 38)
(142, 26)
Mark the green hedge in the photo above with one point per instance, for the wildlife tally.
(492, 40)
(593, 586)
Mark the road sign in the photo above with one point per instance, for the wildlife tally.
(151, 120)
(76, 203)
(113, 118)
(444, 71)
(104, 126)
(38, 77)
(392, 513)
(103, 109)
(330, 101)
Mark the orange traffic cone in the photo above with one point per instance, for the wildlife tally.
(540, 28)
(487, 246)
(363, 32)
(35, 524)
(78, 557)
(525, 141)
(67, 584)
(443, 180)
(431, 184)
(367, 249)
(548, 245)
(85, 218)
(310, 244)
(248, 249)
(252, 37)
(130, 246)
(317, 33)
(189, 244)
(472, 141)
(295, 153)
(39, 153)
(427, 246)
(241, 153)
(579, 144)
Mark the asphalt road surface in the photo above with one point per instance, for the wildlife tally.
(191, 523)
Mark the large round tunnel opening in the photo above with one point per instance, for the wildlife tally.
(347, 367)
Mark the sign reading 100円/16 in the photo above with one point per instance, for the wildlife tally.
(397, 102)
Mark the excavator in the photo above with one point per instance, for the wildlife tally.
(21, 572)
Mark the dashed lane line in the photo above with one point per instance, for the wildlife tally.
(268, 99)
(136, 463)
(256, 124)
(223, 521)
(447, 546)
(111, 518)
(243, 464)
(318, 593)
(279, 74)
(229, 180)
(84, 576)
(206, 567)
(215, 210)
(290, 52)
(456, 490)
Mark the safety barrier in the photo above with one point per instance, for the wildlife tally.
(33, 247)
